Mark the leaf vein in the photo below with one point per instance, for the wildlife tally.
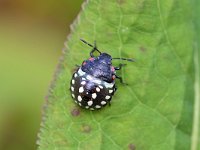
(167, 36)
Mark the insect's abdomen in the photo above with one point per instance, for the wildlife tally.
(90, 92)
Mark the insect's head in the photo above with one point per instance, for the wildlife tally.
(105, 58)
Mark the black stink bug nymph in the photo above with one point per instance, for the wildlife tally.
(93, 83)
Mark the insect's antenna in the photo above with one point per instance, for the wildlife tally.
(87, 43)
(128, 59)
(95, 48)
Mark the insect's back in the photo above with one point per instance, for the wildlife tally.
(91, 92)
(99, 67)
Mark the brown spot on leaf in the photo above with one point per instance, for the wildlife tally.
(142, 49)
(131, 147)
(121, 1)
(86, 128)
(75, 112)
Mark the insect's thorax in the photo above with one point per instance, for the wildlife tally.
(98, 68)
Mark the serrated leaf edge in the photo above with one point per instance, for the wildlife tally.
(73, 26)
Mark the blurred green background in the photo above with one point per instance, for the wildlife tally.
(32, 34)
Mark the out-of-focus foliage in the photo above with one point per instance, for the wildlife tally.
(31, 39)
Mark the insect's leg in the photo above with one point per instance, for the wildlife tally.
(94, 49)
(109, 104)
(115, 88)
(77, 66)
(120, 79)
(120, 66)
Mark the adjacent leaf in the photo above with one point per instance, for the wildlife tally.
(155, 111)
(196, 115)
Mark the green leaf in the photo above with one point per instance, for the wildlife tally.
(155, 111)
(196, 117)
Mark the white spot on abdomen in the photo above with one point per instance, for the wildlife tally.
(94, 95)
(72, 88)
(103, 102)
(81, 89)
(101, 87)
(90, 103)
(83, 78)
(97, 89)
(73, 81)
(97, 106)
(75, 75)
(107, 97)
(83, 82)
(79, 98)
(110, 91)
